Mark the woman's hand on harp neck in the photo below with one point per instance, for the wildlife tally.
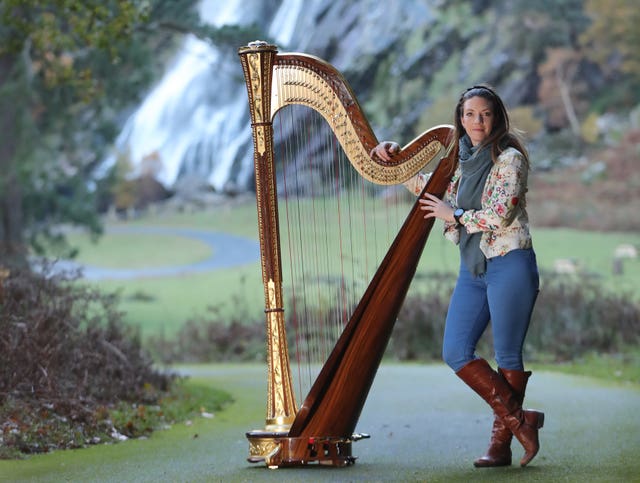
(385, 150)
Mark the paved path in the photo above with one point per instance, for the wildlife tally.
(227, 251)
(425, 425)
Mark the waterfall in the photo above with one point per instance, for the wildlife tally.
(284, 23)
(194, 124)
(195, 121)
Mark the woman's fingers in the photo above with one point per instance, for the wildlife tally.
(431, 197)
(433, 206)
(384, 150)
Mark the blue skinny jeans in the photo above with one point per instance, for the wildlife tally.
(505, 295)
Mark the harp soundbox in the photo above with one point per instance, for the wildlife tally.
(322, 429)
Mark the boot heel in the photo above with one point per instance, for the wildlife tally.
(528, 435)
(534, 418)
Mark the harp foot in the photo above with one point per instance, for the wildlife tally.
(277, 450)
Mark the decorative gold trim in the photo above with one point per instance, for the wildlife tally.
(257, 63)
(262, 448)
(299, 84)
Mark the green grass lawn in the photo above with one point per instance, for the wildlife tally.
(161, 305)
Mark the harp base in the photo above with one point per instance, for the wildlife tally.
(278, 450)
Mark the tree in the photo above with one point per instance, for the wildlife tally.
(537, 26)
(612, 41)
(67, 68)
(561, 91)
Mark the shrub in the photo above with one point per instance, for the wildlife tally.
(60, 341)
(65, 358)
(213, 337)
(417, 334)
(572, 317)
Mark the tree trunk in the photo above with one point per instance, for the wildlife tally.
(13, 251)
(565, 79)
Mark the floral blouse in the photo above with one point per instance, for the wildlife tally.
(503, 219)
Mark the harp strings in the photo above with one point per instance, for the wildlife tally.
(335, 228)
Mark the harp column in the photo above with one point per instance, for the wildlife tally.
(257, 63)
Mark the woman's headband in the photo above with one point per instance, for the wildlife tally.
(482, 87)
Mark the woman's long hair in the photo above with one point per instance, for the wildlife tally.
(501, 136)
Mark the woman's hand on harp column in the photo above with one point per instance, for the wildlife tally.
(385, 150)
(436, 208)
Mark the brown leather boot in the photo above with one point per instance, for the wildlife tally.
(488, 384)
(499, 451)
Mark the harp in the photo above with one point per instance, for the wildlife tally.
(322, 429)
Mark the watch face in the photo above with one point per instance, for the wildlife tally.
(459, 212)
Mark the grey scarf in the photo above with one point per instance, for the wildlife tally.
(475, 165)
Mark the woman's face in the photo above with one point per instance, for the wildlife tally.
(477, 119)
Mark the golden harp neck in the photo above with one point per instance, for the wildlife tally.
(309, 81)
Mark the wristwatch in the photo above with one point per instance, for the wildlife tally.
(457, 214)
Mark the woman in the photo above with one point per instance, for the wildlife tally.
(484, 212)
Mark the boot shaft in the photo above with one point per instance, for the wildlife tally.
(517, 380)
(491, 387)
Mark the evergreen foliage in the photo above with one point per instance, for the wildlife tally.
(67, 71)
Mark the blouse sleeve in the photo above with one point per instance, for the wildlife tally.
(417, 183)
(504, 189)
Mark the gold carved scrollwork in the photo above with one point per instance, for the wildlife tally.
(261, 142)
(281, 405)
(261, 447)
(255, 79)
(272, 299)
(277, 370)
